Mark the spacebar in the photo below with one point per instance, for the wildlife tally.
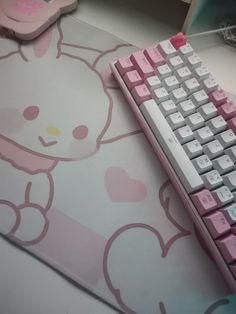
(173, 150)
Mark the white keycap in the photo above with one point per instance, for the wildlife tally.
(167, 49)
(227, 138)
(223, 164)
(186, 107)
(193, 149)
(183, 74)
(178, 95)
(191, 85)
(186, 50)
(199, 98)
(209, 84)
(212, 179)
(202, 163)
(176, 120)
(217, 124)
(194, 61)
(153, 82)
(204, 135)
(208, 111)
(163, 71)
(232, 153)
(230, 180)
(184, 134)
(195, 121)
(230, 213)
(223, 195)
(160, 94)
(167, 107)
(172, 148)
(176, 62)
(171, 82)
(213, 149)
(201, 73)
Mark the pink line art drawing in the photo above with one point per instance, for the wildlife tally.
(34, 137)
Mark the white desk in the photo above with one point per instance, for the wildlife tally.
(27, 286)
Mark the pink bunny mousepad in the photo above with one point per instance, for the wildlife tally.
(81, 187)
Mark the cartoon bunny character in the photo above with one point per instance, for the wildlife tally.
(50, 116)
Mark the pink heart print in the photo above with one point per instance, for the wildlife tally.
(122, 188)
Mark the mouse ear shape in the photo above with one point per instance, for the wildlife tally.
(44, 46)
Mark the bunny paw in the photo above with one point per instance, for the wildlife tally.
(26, 224)
(9, 217)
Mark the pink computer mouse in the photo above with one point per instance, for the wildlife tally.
(27, 19)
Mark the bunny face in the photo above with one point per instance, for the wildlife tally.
(67, 121)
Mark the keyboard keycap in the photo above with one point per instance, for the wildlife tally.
(204, 135)
(172, 148)
(199, 98)
(186, 107)
(230, 213)
(230, 180)
(124, 65)
(232, 124)
(217, 124)
(154, 56)
(217, 224)
(212, 179)
(227, 247)
(218, 97)
(183, 74)
(132, 79)
(186, 50)
(153, 82)
(227, 110)
(178, 95)
(201, 73)
(141, 93)
(191, 85)
(141, 64)
(202, 164)
(163, 71)
(160, 94)
(208, 111)
(193, 149)
(226, 138)
(167, 107)
(194, 61)
(232, 153)
(171, 82)
(204, 201)
(176, 120)
(195, 121)
(175, 62)
(209, 84)
(223, 164)
(184, 134)
(223, 196)
(213, 149)
(167, 49)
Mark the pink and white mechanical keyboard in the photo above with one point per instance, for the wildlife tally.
(191, 125)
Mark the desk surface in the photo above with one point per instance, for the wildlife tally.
(28, 286)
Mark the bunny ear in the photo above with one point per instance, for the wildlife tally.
(44, 46)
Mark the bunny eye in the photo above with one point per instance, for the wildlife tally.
(80, 132)
(31, 112)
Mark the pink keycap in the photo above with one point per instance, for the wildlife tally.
(132, 79)
(142, 64)
(227, 246)
(154, 56)
(232, 124)
(218, 97)
(227, 110)
(124, 65)
(217, 224)
(178, 40)
(141, 93)
(204, 201)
